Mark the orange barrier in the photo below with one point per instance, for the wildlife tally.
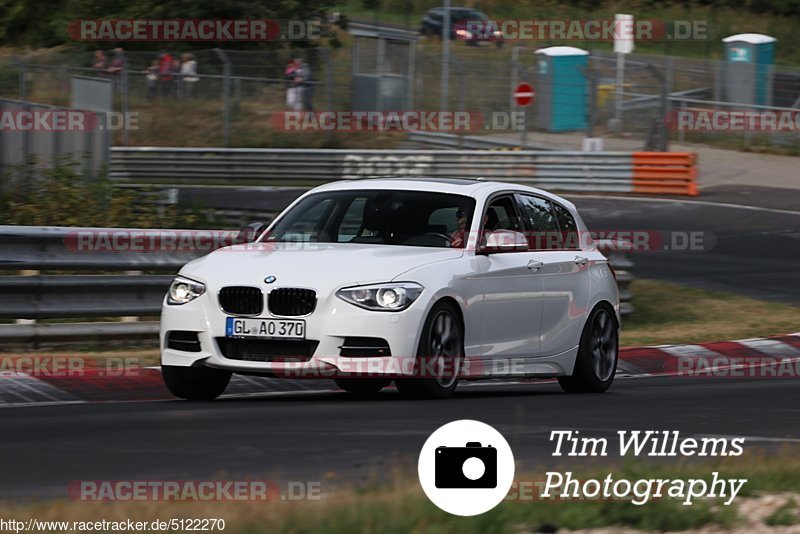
(670, 173)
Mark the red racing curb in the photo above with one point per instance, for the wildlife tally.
(763, 357)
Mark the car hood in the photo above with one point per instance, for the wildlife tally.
(321, 266)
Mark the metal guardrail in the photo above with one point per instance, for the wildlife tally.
(77, 296)
(60, 296)
(556, 170)
(53, 247)
(470, 142)
(618, 256)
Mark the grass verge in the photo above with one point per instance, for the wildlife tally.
(671, 313)
(400, 505)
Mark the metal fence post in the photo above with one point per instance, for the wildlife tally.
(666, 89)
(460, 75)
(445, 56)
(328, 79)
(226, 96)
(125, 103)
(514, 79)
(592, 119)
(23, 79)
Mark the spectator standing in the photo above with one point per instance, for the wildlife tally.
(175, 70)
(294, 97)
(152, 79)
(189, 77)
(100, 62)
(117, 69)
(165, 77)
(307, 85)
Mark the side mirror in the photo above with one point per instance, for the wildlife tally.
(250, 232)
(505, 241)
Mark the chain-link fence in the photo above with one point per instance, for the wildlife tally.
(228, 102)
(237, 91)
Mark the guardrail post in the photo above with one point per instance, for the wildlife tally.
(27, 272)
(131, 318)
(617, 252)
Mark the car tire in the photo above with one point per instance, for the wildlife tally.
(441, 347)
(195, 383)
(362, 387)
(598, 354)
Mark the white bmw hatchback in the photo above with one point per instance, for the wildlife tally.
(423, 282)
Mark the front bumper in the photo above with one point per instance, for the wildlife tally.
(332, 321)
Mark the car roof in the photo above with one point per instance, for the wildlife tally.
(453, 185)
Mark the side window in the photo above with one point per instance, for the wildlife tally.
(501, 215)
(569, 228)
(541, 221)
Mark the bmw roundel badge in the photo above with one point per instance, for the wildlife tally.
(270, 279)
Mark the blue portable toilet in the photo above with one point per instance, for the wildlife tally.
(748, 59)
(561, 89)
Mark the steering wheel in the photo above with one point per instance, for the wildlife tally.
(443, 236)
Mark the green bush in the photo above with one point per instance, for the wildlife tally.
(62, 196)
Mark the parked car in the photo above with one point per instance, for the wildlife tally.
(466, 24)
(421, 281)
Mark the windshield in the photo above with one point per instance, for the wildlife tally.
(467, 14)
(380, 217)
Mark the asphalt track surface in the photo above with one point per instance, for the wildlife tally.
(306, 436)
(752, 250)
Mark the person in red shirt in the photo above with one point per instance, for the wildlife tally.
(165, 77)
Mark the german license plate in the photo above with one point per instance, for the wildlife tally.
(266, 328)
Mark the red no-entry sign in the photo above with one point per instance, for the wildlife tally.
(524, 94)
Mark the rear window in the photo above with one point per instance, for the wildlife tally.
(569, 228)
(541, 223)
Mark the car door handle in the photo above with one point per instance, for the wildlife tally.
(580, 260)
(534, 265)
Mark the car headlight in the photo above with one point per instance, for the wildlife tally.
(183, 290)
(391, 296)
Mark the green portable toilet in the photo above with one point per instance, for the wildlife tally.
(561, 89)
(748, 60)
